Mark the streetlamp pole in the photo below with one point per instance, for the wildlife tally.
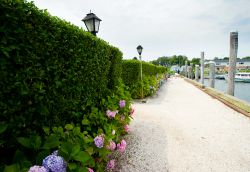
(139, 50)
(141, 78)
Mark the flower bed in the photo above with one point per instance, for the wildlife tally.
(77, 146)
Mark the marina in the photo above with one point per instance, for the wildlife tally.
(242, 89)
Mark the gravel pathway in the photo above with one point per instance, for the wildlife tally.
(183, 129)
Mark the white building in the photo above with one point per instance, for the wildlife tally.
(223, 64)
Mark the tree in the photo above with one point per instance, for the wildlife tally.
(170, 61)
(195, 61)
(246, 58)
(135, 58)
(155, 62)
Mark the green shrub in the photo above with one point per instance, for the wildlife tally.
(132, 78)
(52, 73)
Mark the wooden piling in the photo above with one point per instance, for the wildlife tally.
(232, 62)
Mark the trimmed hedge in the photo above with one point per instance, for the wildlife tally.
(131, 70)
(51, 73)
(131, 76)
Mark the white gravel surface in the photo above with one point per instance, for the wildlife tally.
(183, 129)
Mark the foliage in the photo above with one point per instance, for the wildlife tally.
(180, 60)
(195, 61)
(244, 70)
(132, 77)
(246, 58)
(57, 82)
(170, 61)
(227, 58)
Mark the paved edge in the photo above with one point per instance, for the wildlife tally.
(233, 102)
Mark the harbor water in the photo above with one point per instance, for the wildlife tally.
(242, 90)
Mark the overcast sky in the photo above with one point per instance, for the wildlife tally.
(163, 27)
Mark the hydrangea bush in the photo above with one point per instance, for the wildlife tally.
(88, 145)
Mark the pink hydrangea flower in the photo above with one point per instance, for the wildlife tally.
(37, 168)
(122, 146)
(126, 128)
(111, 114)
(111, 165)
(99, 140)
(122, 103)
(90, 170)
(111, 146)
(113, 132)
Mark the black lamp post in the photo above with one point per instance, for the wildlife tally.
(139, 50)
(92, 23)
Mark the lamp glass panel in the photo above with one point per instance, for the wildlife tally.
(89, 25)
(97, 24)
(139, 50)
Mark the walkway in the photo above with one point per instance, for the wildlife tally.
(186, 130)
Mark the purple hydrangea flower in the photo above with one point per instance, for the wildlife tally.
(122, 103)
(54, 163)
(37, 168)
(111, 165)
(99, 140)
(55, 153)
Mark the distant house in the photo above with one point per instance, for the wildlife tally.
(222, 65)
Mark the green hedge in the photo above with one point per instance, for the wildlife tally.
(51, 72)
(131, 70)
(131, 76)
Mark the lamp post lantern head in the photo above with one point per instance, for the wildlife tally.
(139, 49)
(92, 23)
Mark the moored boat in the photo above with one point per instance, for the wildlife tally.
(220, 77)
(241, 77)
